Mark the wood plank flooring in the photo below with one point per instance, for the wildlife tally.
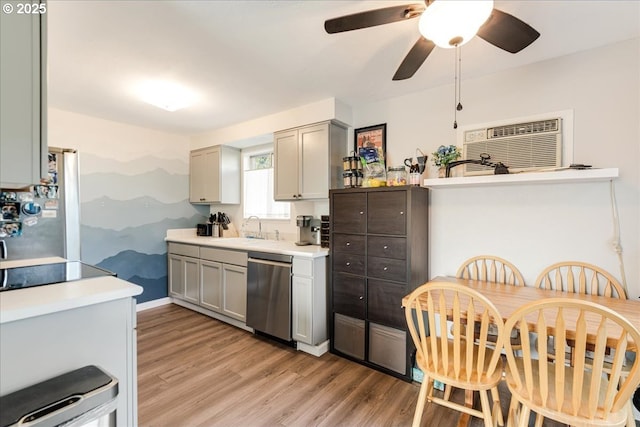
(197, 371)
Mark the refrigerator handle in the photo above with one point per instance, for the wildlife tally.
(3, 250)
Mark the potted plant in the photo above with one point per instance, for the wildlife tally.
(444, 155)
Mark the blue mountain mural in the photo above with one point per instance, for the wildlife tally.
(148, 271)
(106, 212)
(159, 184)
(100, 243)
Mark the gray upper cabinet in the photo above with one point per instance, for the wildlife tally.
(214, 175)
(23, 105)
(308, 161)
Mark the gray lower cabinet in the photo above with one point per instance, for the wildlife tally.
(184, 272)
(214, 279)
(308, 308)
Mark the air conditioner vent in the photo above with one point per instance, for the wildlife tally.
(522, 146)
(524, 128)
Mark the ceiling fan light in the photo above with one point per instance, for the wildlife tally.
(450, 23)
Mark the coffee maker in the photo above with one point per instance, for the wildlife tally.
(307, 230)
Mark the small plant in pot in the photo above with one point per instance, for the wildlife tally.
(444, 155)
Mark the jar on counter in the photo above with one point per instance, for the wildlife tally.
(396, 176)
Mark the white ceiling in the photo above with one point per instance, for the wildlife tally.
(248, 59)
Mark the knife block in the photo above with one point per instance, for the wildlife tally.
(230, 232)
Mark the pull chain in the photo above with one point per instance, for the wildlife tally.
(456, 83)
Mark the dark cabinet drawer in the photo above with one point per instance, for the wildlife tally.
(387, 268)
(349, 213)
(384, 300)
(387, 212)
(348, 263)
(350, 243)
(387, 247)
(349, 295)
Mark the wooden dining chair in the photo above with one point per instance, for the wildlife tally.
(456, 361)
(573, 395)
(490, 268)
(580, 277)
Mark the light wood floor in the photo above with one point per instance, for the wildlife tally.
(197, 371)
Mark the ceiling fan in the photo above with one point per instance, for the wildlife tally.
(493, 25)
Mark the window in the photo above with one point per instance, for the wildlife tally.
(258, 186)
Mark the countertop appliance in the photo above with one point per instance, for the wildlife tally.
(48, 274)
(308, 230)
(205, 229)
(269, 294)
(44, 222)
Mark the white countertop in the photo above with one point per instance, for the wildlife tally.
(247, 244)
(31, 261)
(40, 300)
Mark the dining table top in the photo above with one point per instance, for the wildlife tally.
(508, 298)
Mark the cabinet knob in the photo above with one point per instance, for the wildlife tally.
(385, 268)
(361, 212)
(299, 196)
(348, 243)
(385, 247)
(401, 212)
(348, 264)
(295, 196)
(361, 297)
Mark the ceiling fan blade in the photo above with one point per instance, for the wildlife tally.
(414, 59)
(371, 18)
(507, 32)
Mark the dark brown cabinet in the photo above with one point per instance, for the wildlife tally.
(378, 255)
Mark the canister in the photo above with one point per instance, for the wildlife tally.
(396, 176)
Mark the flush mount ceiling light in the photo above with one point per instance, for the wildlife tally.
(453, 23)
(165, 94)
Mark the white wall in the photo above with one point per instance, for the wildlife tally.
(533, 225)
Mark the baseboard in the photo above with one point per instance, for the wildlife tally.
(153, 304)
(315, 350)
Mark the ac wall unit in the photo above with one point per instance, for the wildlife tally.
(526, 146)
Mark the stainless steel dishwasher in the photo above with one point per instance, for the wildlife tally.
(269, 294)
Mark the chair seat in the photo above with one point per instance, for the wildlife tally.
(474, 381)
(550, 409)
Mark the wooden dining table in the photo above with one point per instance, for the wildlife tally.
(508, 298)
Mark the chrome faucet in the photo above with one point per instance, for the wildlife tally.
(259, 224)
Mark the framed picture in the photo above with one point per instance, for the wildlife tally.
(372, 136)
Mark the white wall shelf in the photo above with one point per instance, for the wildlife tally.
(551, 177)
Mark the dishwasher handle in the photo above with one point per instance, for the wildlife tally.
(269, 262)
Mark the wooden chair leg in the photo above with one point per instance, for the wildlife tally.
(422, 399)
(512, 415)
(486, 409)
(447, 391)
(539, 420)
(525, 413)
(497, 414)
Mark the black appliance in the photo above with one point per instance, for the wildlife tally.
(48, 274)
(204, 229)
